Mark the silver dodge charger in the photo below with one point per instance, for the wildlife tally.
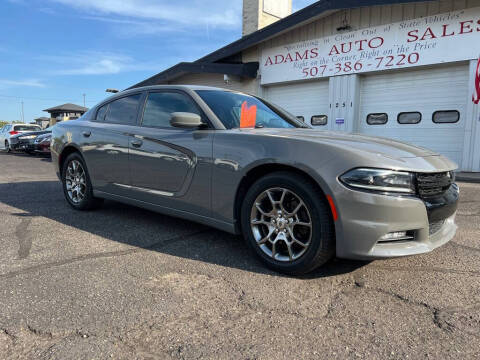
(243, 165)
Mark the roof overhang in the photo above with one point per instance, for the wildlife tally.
(247, 70)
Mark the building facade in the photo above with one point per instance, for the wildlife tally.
(405, 70)
(65, 112)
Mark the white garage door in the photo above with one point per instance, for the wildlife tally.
(304, 99)
(426, 107)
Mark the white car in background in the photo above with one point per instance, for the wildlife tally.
(13, 129)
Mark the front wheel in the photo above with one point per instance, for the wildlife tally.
(7, 146)
(77, 186)
(287, 222)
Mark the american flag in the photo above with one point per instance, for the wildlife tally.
(476, 92)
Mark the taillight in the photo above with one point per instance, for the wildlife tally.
(14, 132)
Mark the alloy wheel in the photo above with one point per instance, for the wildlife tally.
(75, 181)
(281, 224)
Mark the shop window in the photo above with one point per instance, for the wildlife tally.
(413, 117)
(319, 120)
(377, 119)
(446, 117)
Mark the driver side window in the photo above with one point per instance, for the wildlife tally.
(160, 106)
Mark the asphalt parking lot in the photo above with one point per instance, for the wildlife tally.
(126, 283)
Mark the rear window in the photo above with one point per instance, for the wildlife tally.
(26, 128)
(124, 110)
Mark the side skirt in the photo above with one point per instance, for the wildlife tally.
(220, 225)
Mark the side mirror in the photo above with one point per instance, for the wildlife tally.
(186, 120)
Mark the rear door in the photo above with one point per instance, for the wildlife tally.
(106, 142)
(171, 166)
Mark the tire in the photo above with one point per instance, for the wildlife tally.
(303, 241)
(76, 183)
(7, 147)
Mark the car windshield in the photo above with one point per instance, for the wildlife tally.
(237, 110)
(26, 128)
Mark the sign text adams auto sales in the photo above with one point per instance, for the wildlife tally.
(449, 37)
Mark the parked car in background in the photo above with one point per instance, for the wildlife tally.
(12, 130)
(41, 145)
(241, 164)
(26, 141)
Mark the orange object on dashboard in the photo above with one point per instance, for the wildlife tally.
(248, 116)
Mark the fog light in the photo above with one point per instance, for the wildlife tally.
(397, 236)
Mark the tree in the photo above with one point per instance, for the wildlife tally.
(3, 122)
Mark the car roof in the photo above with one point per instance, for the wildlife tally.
(159, 87)
(164, 87)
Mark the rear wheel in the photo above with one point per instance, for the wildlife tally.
(287, 223)
(77, 186)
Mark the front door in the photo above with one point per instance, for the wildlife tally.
(170, 166)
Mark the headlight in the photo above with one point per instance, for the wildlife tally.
(27, 137)
(45, 140)
(380, 180)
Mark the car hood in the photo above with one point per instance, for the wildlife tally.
(355, 142)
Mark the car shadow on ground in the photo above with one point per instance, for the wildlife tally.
(145, 229)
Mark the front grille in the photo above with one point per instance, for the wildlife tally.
(435, 227)
(435, 184)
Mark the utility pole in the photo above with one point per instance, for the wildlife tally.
(84, 99)
(23, 118)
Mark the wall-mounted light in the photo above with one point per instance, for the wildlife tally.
(345, 25)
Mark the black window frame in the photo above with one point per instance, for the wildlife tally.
(301, 118)
(445, 111)
(98, 110)
(311, 120)
(409, 112)
(140, 102)
(380, 113)
(204, 117)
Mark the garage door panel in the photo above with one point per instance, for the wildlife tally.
(302, 99)
(426, 90)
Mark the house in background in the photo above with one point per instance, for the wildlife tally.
(65, 112)
(42, 121)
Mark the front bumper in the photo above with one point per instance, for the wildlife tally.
(365, 217)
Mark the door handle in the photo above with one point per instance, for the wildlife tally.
(136, 143)
(86, 133)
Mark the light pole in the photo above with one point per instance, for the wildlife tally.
(23, 117)
(84, 99)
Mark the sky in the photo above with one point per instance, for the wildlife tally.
(54, 51)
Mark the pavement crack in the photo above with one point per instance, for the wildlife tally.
(39, 332)
(9, 334)
(110, 254)
(427, 269)
(465, 247)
